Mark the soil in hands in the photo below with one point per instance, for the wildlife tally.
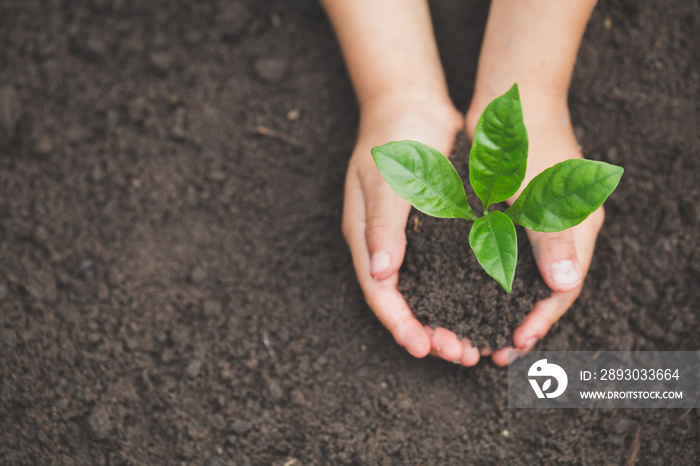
(445, 285)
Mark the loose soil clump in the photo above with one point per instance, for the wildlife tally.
(445, 286)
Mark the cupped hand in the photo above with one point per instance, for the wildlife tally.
(374, 216)
(563, 258)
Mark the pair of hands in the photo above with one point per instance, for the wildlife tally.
(374, 222)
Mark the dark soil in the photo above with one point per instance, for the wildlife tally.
(174, 286)
(445, 285)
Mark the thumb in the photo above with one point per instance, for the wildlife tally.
(556, 258)
(386, 233)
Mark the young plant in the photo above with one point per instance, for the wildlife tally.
(560, 197)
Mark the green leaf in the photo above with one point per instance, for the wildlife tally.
(563, 196)
(495, 245)
(424, 177)
(498, 156)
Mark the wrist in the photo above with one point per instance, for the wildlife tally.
(411, 114)
(543, 111)
(406, 98)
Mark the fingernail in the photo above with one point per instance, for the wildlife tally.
(565, 273)
(530, 344)
(379, 262)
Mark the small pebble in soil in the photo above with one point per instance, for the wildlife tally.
(96, 46)
(178, 130)
(271, 69)
(76, 134)
(131, 344)
(115, 277)
(9, 114)
(233, 18)
(213, 461)
(240, 427)
(42, 288)
(193, 37)
(297, 397)
(112, 119)
(161, 61)
(662, 252)
(212, 308)
(405, 404)
(100, 423)
(217, 422)
(168, 355)
(275, 391)
(198, 275)
(41, 234)
(84, 267)
(194, 368)
(8, 338)
(43, 146)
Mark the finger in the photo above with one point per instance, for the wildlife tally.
(386, 215)
(548, 311)
(471, 354)
(382, 296)
(393, 312)
(545, 313)
(500, 357)
(555, 254)
(446, 345)
(506, 356)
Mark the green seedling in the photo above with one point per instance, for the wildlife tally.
(560, 197)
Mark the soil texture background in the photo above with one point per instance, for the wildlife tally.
(174, 286)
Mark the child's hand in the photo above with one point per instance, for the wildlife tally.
(563, 257)
(521, 46)
(551, 250)
(374, 217)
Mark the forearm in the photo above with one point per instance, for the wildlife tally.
(389, 48)
(533, 43)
